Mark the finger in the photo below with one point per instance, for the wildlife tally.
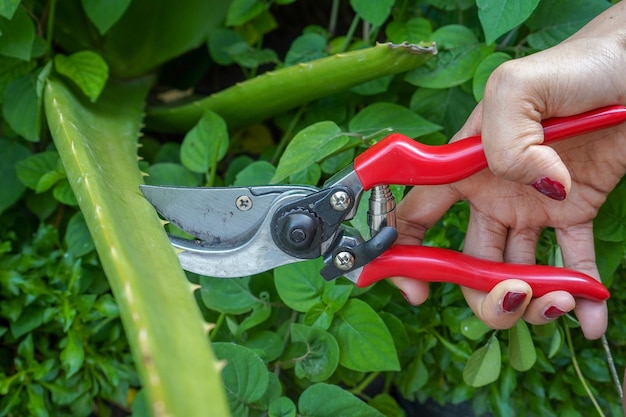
(507, 301)
(579, 254)
(419, 210)
(512, 133)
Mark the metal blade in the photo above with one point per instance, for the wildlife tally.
(224, 218)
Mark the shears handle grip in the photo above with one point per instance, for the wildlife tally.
(400, 160)
(443, 265)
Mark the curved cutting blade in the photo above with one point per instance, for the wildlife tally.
(224, 218)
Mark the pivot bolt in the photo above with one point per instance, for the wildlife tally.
(243, 203)
(340, 201)
(344, 261)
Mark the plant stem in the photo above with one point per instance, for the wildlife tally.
(50, 26)
(284, 140)
(581, 377)
(218, 325)
(358, 390)
(334, 14)
(612, 368)
(350, 34)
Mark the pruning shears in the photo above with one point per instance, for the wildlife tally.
(241, 231)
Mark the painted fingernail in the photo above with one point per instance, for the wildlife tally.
(553, 312)
(550, 188)
(406, 297)
(512, 301)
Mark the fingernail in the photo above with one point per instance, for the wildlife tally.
(406, 297)
(512, 301)
(553, 312)
(550, 188)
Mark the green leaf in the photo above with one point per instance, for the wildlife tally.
(30, 170)
(452, 5)
(322, 355)
(522, 354)
(324, 400)
(306, 48)
(610, 223)
(282, 407)
(374, 12)
(310, 145)
(268, 345)
(11, 69)
(8, 8)
(11, 188)
(220, 42)
(484, 70)
(371, 346)
(498, 17)
(205, 144)
(392, 118)
(105, 13)
(447, 107)
(230, 296)
(21, 107)
(87, 69)
(169, 173)
(245, 376)
(387, 405)
(242, 11)
(309, 176)
(17, 35)
(77, 236)
(256, 173)
(300, 285)
(415, 30)
(474, 328)
(413, 377)
(73, 354)
(553, 21)
(36, 403)
(459, 54)
(483, 367)
(261, 311)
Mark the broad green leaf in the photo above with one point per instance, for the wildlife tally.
(282, 407)
(324, 400)
(205, 144)
(498, 17)
(300, 285)
(86, 69)
(230, 296)
(336, 296)
(371, 347)
(387, 405)
(245, 376)
(73, 354)
(31, 169)
(241, 11)
(373, 87)
(48, 180)
(374, 12)
(104, 13)
(11, 69)
(522, 354)
(473, 328)
(452, 4)
(77, 237)
(268, 345)
(553, 21)
(21, 107)
(447, 107)
(256, 173)
(63, 193)
(459, 54)
(413, 377)
(98, 144)
(484, 70)
(392, 118)
(261, 311)
(11, 188)
(169, 173)
(309, 176)
(556, 342)
(8, 8)
(306, 48)
(610, 256)
(483, 367)
(310, 145)
(415, 30)
(322, 355)
(319, 316)
(610, 223)
(36, 401)
(219, 44)
(17, 35)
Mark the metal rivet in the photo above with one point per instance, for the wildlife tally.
(344, 261)
(340, 201)
(243, 203)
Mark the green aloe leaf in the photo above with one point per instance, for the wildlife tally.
(277, 91)
(97, 143)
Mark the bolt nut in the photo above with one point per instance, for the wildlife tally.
(344, 261)
(340, 201)
(243, 203)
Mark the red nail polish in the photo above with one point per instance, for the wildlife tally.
(512, 301)
(553, 312)
(550, 188)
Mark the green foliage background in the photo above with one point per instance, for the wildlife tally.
(247, 92)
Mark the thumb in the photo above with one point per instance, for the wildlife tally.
(514, 149)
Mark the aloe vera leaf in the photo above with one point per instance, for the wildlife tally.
(277, 91)
(97, 143)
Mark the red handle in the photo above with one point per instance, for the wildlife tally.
(442, 265)
(398, 159)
